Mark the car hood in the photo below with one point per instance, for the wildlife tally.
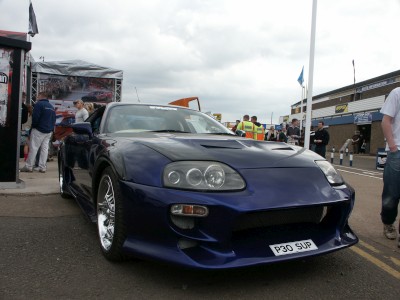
(234, 151)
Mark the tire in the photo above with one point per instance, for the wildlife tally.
(64, 190)
(110, 217)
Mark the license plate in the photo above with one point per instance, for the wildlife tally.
(293, 247)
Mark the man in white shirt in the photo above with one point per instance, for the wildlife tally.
(391, 175)
(82, 114)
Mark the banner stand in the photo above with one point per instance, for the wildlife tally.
(12, 58)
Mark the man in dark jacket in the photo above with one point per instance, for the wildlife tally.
(321, 139)
(293, 132)
(43, 121)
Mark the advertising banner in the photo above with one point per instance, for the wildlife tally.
(342, 108)
(5, 87)
(12, 58)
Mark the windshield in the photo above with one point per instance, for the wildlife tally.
(139, 118)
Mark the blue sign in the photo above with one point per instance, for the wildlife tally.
(363, 118)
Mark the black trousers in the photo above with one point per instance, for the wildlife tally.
(320, 149)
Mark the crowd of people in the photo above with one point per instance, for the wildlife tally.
(287, 133)
(38, 124)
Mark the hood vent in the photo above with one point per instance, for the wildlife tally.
(283, 148)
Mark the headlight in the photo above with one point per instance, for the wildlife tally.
(202, 175)
(331, 174)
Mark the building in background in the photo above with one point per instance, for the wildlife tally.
(349, 109)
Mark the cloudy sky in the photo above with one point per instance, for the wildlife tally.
(238, 57)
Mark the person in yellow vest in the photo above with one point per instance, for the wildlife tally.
(247, 127)
(259, 132)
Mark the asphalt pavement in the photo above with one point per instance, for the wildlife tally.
(47, 183)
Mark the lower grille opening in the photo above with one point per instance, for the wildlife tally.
(313, 216)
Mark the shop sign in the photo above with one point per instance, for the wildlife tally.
(363, 118)
(374, 85)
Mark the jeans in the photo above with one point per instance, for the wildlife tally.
(391, 188)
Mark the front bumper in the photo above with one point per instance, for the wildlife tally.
(232, 235)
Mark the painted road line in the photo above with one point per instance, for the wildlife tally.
(357, 169)
(371, 173)
(359, 174)
(369, 247)
(395, 261)
(376, 262)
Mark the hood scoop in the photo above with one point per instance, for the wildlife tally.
(222, 145)
(283, 148)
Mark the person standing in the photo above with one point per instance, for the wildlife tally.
(235, 126)
(258, 129)
(321, 139)
(82, 114)
(293, 132)
(247, 127)
(355, 140)
(271, 134)
(43, 121)
(89, 107)
(391, 174)
(282, 135)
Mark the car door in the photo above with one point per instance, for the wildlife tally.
(82, 155)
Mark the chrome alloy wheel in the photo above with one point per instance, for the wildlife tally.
(106, 212)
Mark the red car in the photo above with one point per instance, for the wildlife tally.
(98, 96)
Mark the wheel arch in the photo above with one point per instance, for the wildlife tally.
(100, 166)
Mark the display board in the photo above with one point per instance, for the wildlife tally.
(12, 57)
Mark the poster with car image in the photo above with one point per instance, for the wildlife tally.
(64, 90)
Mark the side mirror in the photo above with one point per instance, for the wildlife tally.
(82, 128)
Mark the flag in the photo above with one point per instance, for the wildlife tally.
(33, 28)
(300, 80)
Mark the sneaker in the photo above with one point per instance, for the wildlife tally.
(25, 169)
(389, 231)
(38, 169)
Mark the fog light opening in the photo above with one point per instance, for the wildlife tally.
(185, 244)
(183, 222)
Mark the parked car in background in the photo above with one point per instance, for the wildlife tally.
(172, 184)
(98, 96)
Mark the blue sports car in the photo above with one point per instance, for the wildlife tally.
(172, 184)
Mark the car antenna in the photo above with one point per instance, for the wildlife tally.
(137, 95)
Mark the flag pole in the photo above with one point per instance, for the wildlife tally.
(310, 76)
(300, 80)
(301, 110)
(354, 72)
